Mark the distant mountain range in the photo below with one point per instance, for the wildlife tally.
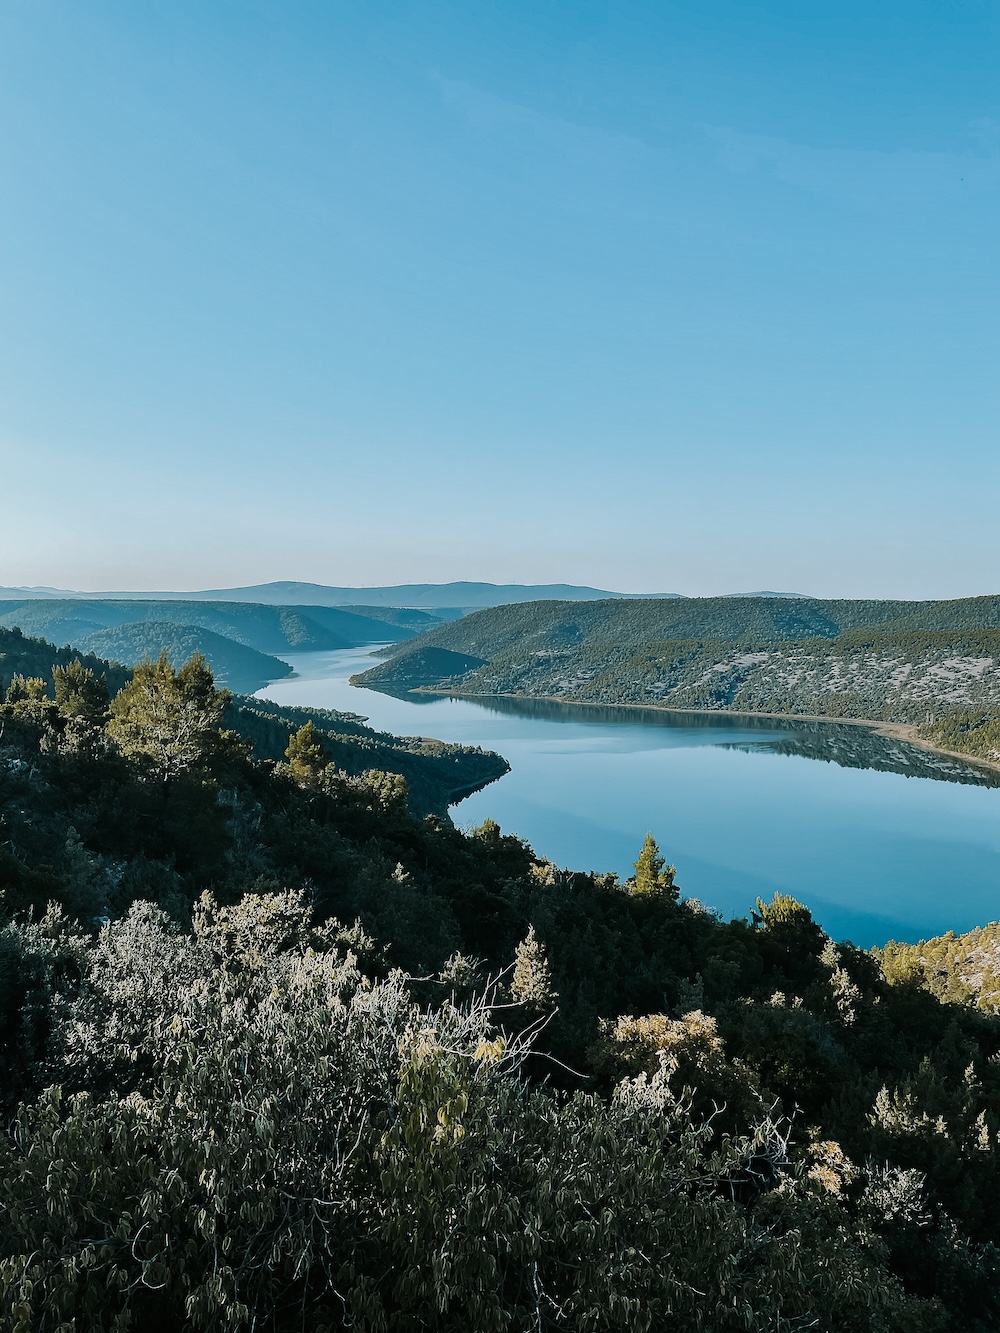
(456, 597)
(797, 596)
(432, 596)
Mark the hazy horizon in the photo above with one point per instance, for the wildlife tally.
(361, 587)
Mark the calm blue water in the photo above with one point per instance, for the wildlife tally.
(853, 825)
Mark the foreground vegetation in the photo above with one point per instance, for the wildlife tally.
(277, 1053)
(437, 774)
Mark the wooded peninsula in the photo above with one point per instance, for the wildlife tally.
(932, 665)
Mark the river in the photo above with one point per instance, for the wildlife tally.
(881, 840)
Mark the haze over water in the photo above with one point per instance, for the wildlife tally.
(875, 854)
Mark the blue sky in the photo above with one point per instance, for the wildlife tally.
(694, 297)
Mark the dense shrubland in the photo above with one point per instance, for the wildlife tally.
(276, 1053)
(902, 677)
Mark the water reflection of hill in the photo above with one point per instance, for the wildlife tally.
(408, 696)
(551, 710)
(861, 747)
(832, 742)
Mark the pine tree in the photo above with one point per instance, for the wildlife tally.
(170, 717)
(388, 791)
(488, 832)
(306, 754)
(28, 700)
(532, 981)
(79, 693)
(788, 923)
(26, 690)
(653, 877)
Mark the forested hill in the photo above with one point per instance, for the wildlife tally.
(233, 664)
(277, 1053)
(245, 644)
(915, 662)
(633, 624)
(268, 629)
(437, 773)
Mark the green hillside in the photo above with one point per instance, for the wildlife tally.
(437, 774)
(425, 665)
(276, 630)
(899, 677)
(632, 625)
(406, 617)
(976, 733)
(233, 664)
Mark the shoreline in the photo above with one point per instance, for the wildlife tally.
(907, 732)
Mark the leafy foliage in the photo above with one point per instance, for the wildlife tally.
(271, 1132)
(170, 717)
